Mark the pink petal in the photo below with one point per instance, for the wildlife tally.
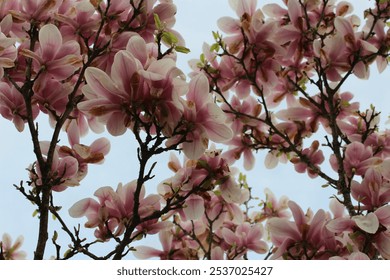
(198, 90)
(294, 11)
(294, 114)
(145, 252)
(249, 159)
(197, 146)
(339, 225)
(381, 63)
(297, 212)
(282, 229)
(242, 7)
(358, 256)
(116, 124)
(194, 207)
(385, 169)
(337, 208)
(316, 227)
(369, 223)
(73, 133)
(137, 47)
(166, 240)
(383, 214)
(229, 236)
(101, 145)
(274, 10)
(383, 244)
(229, 25)
(218, 132)
(123, 69)
(217, 253)
(271, 161)
(99, 82)
(361, 70)
(82, 207)
(50, 40)
(343, 26)
(68, 167)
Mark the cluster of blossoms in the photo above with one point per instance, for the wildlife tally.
(96, 65)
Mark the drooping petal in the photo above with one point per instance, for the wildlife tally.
(369, 223)
(116, 124)
(101, 145)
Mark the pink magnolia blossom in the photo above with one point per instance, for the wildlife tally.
(373, 191)
(146, 252)
(205, 119)
(114, 210)
(54, 57)
(376, 224)
(245, 238)
(11, 251)
(314, 156)
(13, 106)
(78, 18)
(137, 83)
(38, 10)
(301, 238)
(8, 53)
(358, 158)
(64, 170)
(271, 207)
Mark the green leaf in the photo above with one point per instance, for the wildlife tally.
(67, 252)
(216, 35)
(55, 236)
(215, 47)
(202, 58)
(182, 49)
(169, 38)
(35, 212)
(158, 23)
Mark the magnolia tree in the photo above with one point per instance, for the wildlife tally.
(272, 81)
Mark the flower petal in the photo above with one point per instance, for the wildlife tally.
(369, 223)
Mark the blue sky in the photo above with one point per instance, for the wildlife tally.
(195, 21)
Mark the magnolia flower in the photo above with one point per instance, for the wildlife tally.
(114, 210)
(300, 238)
(11, 251)
(146, 252)
(54, 57)
(13, 107)
(8, 53)
(205, 119)
(314, 156)
(245, 237)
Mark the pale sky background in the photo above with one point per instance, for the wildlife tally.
(195, 21)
